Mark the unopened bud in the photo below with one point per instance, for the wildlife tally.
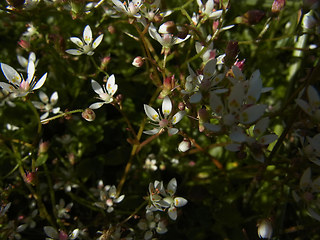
(88, 114)
(30, 177)
(43, 147)
(168, 27)
(104, 62)
(138, 62)
(185, 145)
(232, 51)
(278, 5)
(265, 229)
(181, 106)
(168, 85)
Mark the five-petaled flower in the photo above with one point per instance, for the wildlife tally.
(166, 121)
(46, 104)
(18, 86)
(86, 46)
(105, 92)
(130, 8)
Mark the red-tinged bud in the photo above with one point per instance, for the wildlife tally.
(232, 51)
(43, 147)
(185, 145)
(253, 17)
(168, 85)
(88, 114)
(63, 235)
(240, 64)
(181, 106)
(278, 5)
(215, 25)
(104, 62)
(138, 61)
(111, 29)
(24, 44)
(30, 177)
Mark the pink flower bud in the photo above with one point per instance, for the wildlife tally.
(181, 106)
(168, 85)
(278, 5)
(88, 114)
(240, 64)
(43, 147)
(138, 62)
(24, 44)
(185, 145)
(30, 177)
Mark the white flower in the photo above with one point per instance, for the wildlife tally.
(86, 46)
(131, 8)
(17, 85)
(105, 92)
(63, 210)
(208, 10)
(24, 62)
(167, 40)
(312, 107)
(151, 163)
(151, 224)
(108, 198)
(46, 104)
(166, 121)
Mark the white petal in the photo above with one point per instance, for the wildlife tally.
(77, 41)
(233, 147)
(180, 202)
(237, 134)
(209, 69)
(238, 73)
(87, 35)
(236, 97)
(216, 104)
(251, 114)
(11, 74)
(172, 212)
(216, 14)
(119, 5)
(305, 179)
(267, 139)
(38, 105)
(172, 131)
(74, 52)
(111, 86)
(209, 7)
(261, 126)
(304, 106)
(148, 235)
(177, 117)
(43, 97)
(96, 105)
(22, 61)
(97, 42)
(75, 233)
(172, 186)
(166, 106)
(51, 232)
(313, 97)
(212, 127)
(180, 40)
(96, 87)
(313, 214)
(31, 69)
(151, 113)
(44, 116)
(7, 87)
(54, 98)
(32, 57)
(119, 199)
(195, 98)
(255, 86)
(153, 33)
(152, 132)
(40, 82)
(56, 110)
(198, 47)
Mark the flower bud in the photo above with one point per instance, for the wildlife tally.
(88, 114)
(232, 51)
(168, 85)
(265, 229)
(24, 44)
(253, 17)
(30, 177)
(181, 106)
(185, 145)
(278, 5)
(43, 147)
(240, 64)
(138, 62)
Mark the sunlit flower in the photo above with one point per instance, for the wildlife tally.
(47, 105)
(130, 8)
(265, 229)
(85, 46)
(17, 85)
(166, 121)
(166, 39)
(105, 92)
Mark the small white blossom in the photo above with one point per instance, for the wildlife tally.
(108, 198)
(208, 10)
(63, 210)
(18, 86)
(105, 92)
(166, 121)
(152, 223)
(85, 46)
(130, 8)
(47, 105)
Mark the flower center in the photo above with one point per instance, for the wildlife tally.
(163, 123)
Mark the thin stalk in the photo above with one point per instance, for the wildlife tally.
(44, 121)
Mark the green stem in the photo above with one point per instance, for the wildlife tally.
(61, 115)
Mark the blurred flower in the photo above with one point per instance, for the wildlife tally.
(105, 92)
(85, 46)
(207, 10)
(151, 163)
(108, 198)
(88, 114)
(265, 229)
(278, 5)
(53, 234)
(152, 223)
(185, 145)
(312, 107)
(312, 149)
(63, 210)
(17, 86)
(47, 105)
(166, 121)
(4, 209)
